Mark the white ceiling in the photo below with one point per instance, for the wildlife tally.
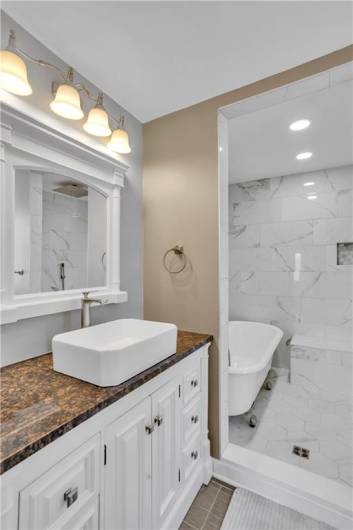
(157, 57)
(261, 144)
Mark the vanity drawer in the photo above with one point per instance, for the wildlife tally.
(191, 456)
(191, 420)
(192, 382)
(64, 492)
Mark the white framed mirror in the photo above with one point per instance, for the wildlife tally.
(60, 217)
(60, 233)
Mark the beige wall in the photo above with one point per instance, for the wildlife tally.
(181, 207)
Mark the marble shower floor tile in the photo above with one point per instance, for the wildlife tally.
(292, 415)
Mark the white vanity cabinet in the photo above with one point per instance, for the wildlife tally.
(137, 464)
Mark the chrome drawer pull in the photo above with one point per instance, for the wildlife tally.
(158, 420)
(194, 419)
(194, 455)
(194, 383)
(70, 496)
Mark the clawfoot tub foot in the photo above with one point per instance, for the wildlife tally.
(252, 421)
(268, 385)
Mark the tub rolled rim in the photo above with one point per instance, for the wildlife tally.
(268, 353)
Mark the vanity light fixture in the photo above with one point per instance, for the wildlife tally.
(67, 96)
(309, 183)
(299, 125)
(97, 122)
(311, 197)
(67, 101)
(119, 140)
(13, 70)
(304, 156)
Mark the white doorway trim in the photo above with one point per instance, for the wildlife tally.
(230, 465)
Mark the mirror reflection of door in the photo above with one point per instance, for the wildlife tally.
(60, 233)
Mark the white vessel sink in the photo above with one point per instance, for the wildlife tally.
(109, 354)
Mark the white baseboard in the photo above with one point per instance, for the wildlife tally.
(239, 475)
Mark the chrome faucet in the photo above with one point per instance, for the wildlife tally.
(85, 308)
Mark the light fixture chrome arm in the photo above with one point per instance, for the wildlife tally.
(41, 62)
(12, 47)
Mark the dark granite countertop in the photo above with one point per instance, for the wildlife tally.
(38, 405)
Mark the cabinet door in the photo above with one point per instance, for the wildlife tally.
(166, 416)
(128, 470)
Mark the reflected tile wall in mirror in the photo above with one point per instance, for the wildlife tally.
(60, 234)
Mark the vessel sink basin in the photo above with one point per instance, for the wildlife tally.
(108, 354)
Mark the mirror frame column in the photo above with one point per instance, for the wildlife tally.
(114, 236)
(6, 211)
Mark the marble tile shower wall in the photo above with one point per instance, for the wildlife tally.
(64, 240)
(270, 221)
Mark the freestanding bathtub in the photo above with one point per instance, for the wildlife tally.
(251, 347)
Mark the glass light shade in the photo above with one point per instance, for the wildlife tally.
(97, 122)
(119, 142)
(67, 103)
(13, 74)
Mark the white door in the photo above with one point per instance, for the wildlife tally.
(128, 470)
(166, 416)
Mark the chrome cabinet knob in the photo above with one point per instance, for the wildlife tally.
(194, 455)
(149, 429)
(194, 383)
(70, 496)
(158, 420)
(194, 419)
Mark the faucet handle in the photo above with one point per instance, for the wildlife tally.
(85, 294)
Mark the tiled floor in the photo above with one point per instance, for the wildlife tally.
(209, 507)
(302, 413)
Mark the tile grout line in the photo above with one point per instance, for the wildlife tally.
(210, 510)
(191, 526)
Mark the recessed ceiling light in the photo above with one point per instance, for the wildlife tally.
(309, 184)
(304, 156)
(299, 125)
(312, 197)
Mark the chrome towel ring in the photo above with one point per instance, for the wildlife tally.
(178, 250)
